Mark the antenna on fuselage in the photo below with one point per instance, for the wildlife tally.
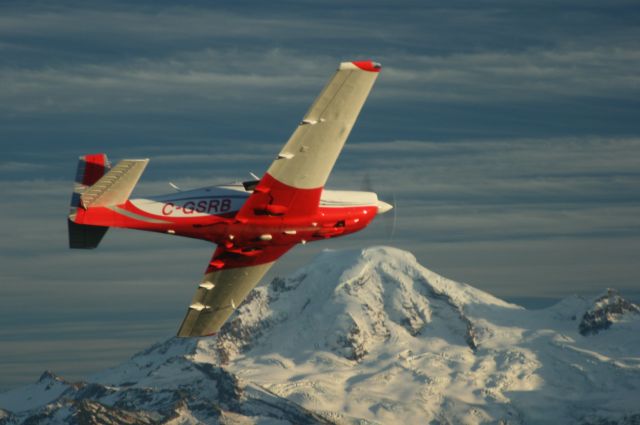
(250, 185)
(175, 187)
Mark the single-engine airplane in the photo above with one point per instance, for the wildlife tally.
(253, 223)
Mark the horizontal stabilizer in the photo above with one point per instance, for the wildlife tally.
(115, 187)
(82, 236)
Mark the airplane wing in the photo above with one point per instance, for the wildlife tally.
(303, 165)
(291, 188)
(231, 275)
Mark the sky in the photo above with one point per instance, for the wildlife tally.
(508, 133)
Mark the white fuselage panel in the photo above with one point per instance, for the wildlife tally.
(215, 200)
(218, 200)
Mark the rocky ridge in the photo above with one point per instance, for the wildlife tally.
(157, 386)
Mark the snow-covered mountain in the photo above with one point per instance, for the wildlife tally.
(161, 385)
(370, 336)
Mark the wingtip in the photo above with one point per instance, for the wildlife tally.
(367, 65)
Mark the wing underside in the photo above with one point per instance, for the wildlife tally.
(228, 280)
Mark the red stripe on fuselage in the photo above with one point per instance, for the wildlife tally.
(131, 217)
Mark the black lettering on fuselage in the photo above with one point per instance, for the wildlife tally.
(202, 206)
(188, 207)
(213, 206)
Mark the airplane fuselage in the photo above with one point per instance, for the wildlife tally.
(209, 213)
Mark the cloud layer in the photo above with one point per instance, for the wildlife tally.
(508, 133)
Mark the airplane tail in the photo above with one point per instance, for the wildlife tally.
(90, 169)
(99, 185)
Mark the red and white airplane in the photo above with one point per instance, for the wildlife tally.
(253, 223)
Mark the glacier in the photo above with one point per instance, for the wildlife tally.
(369, 337)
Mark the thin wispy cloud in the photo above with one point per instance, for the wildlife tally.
(209, 79)
(532, 74)
(506, 131)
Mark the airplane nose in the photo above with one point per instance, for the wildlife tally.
(383, 207)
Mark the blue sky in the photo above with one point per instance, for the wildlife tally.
(508, 132)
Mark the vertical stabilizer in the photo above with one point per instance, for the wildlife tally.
(91, 168)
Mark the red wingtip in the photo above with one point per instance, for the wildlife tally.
(370, 66)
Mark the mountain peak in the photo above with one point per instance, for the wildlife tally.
(350, 302)
(372, 333)
(369, 336)
(50, 377)
(606, 310)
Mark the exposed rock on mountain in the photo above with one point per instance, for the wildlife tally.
(607, 309)
(158, 386)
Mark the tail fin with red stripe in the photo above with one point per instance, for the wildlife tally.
(91, 168)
